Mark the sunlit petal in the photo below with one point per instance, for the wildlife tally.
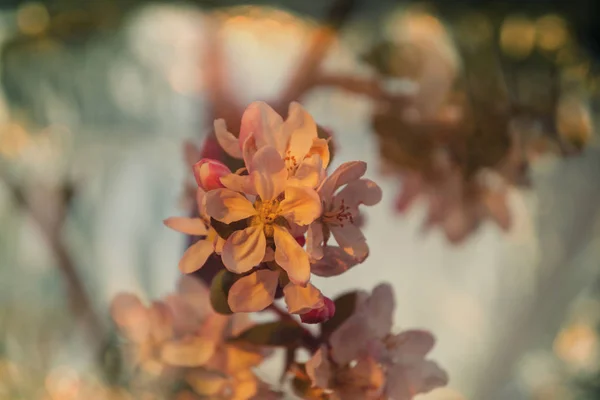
(302, 130)
(269, 173)
(291, 257)
(239, 183)
(192, 352)
(314, 240)
(265, 124)
(189, 226)
(228, 206)
(318, 368)
(226, 139)
(205, 382)
(253, 292)
(351, 239)
(244, 249)
(345, 173)
(361, 191)
(321, 147)
(302, 299)
(195, 256)
(335, 261)
(310, 173)
(301, 205)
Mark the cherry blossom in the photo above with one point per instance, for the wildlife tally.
(196, 255)
(364, 359)
(295, 139)
(338, 219)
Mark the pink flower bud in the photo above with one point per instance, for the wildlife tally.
(318, 315)
(208, 173)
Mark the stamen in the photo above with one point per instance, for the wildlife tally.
(339, 216)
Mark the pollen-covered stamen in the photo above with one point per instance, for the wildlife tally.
(267, 213)
(338, 215)
(290, 162)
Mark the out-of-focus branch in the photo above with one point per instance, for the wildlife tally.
(369, 87)
(309, 65)
(50, 224)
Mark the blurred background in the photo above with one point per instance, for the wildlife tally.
(476, 118)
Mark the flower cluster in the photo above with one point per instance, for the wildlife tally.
(259, 218)
(182, 338)
(363, 360)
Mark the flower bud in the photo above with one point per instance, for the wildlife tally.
(301, 240)
(208, 174)
(318, 315)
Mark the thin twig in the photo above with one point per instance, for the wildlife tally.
(79, 301)
(309, 65)
(309, 340)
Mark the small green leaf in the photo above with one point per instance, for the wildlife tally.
(279, 333)
(344, 307)
(219, 290)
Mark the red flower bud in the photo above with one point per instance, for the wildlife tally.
(318, 315)
(301, 240)
(208, 174)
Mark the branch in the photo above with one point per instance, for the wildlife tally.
(50, 225)
(302, 78)
(311, 342)
(364, 86)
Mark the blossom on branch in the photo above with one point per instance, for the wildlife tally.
(364, 360)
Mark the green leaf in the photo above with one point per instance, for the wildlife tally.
(279, 333)
(219, 290)
(344, 308)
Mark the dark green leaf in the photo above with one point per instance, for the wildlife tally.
(279, 333)
(344, 307)
(219, 290)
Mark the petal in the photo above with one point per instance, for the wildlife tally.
(291, 257)
(411, 346)
(208, 173)
(321, 147)
(239, 183)
(335, 261)
(131, 316)
(226, 139)
(253, 292)
(361, 191)
(314, 240)
(206, 383)
(310, 173)
(192, 352)
(227, 206)
(302, 131)
(245, 386)
(350, 339)
(161, 321)
(268, 173)
(380, 310)
(318, 368)
(345, 173)
(189, 226)
(351, 240)
(249, 149)
(265, 124)
(301, 205)
(404, 383)
(195, 256)
(244, 249)
(300, 299)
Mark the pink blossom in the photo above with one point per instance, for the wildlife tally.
(208, 174)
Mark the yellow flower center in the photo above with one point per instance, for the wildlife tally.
(267, 214)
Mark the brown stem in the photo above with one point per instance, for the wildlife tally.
(50, 228)
(308, 67)
(309, 341)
